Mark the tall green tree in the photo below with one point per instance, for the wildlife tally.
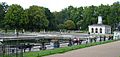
(69, 24)
(61, 26)
(114, 14)
(24, 22)
(37, 18)
(3, 8)
(79, 24)
(50, 17)
(14, 17)
(89, 16)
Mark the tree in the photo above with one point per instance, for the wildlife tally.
(69, 24)
(14, 17)
(114, 15)
(50, 17)
(61, 26)
(37, 18)
(79, 24)
(24, 21)
(3, 9)
(89, 16)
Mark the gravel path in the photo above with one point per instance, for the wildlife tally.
(104, 50)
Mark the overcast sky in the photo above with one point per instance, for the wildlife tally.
(57, 5)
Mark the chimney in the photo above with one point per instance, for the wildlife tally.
(99, 19)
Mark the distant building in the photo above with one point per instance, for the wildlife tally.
(118, 27)
(117, 32)
(116, 35)
(99, 28)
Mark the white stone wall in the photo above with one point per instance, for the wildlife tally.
(98, 27)
(108, 30)
(103, 30)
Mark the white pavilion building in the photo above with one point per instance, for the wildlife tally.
(99, 28)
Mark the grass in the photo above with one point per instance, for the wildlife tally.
(62, 50)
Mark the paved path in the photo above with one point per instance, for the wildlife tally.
(104, 50)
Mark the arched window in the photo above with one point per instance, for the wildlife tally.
(92, 30)
(100, 30)
(96, 30)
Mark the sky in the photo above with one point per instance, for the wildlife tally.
(58, 5)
